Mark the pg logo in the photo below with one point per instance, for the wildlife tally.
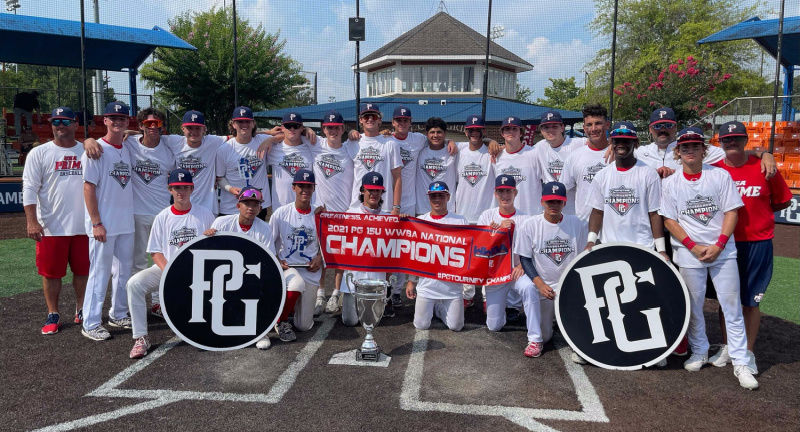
(242, 112)
(223, 292)
(621, 306)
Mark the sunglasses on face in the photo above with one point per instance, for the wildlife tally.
(59, 122)
(292, 126)
(370, 117)
(730, 140)
(660, 126)
(152, 123)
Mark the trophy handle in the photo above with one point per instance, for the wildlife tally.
(392, 279)
(349, 282)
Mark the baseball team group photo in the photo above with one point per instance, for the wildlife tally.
(466, 239)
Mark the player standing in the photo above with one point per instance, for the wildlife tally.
(435, 164)
(520, 162)
(553, 150)
(52, 193)
(288, 158)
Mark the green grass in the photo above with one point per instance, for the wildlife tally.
(18, 267)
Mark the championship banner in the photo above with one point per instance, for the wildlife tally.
(477, 255)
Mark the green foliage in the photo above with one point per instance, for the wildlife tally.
(562, 94)
(203, 80)
(47, 80)
(524, 94)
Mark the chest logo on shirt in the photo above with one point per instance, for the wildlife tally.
(121, 173)
(70, 165)
(301, 238)
(249, 166)
(555, 167)
(182, 236)
(433, 167)
(369, 157)
(557, 250)
(622, 199)
(192, 164)
(329, 165)
(147, 170)
(405, 156)
(473, 173)
(592, 171)
(702, 209)
(514, 172)
(293, 163)
(747, 191)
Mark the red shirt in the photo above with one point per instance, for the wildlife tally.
(756, 218)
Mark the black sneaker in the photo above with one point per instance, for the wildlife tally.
(285, 332)
(397, 301)
(512, 314)
(388, 311)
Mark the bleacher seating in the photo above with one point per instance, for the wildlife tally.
(786, 148)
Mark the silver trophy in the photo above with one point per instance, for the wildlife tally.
(370, 296)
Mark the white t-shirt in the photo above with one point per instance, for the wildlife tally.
(551, 164)
(333, 169)
(200, 162)
(260, 231)
(626, 199)
(699, 207)
(432, 166)
(524, 167)
(151, 168)
(409, 154)
(295, 238)
(53, 181)
(285, 161)
(112, 175)
(433, 288)
(362, 209)
(241, 166)
(551, 246)
(475, 189)
(579, 170)
(171, 231)
(656, 158)
(493, 215)
(376, 154)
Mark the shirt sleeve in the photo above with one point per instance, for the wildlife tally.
(653, 191)
(91, 169)
(174, 143)
(668, 207)
(394, 157)
(32, 178)
(779, 190)
(566, 174)
(730, 199)
(523, 243)
(217, 225)
(221, 160)
(156, 241)
(596, 194)
(714, 154)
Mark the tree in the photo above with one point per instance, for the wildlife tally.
(562, 93)
(524, 94)
(203, 79)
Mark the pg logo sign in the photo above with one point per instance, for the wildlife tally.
(621, 306)
(223, 292)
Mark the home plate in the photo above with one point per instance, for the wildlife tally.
(348, 358)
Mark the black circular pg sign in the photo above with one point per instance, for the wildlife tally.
(223, 292)
(622, 306)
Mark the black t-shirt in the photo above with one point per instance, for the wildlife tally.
(26, 101)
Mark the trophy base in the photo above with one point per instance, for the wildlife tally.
(370, 356)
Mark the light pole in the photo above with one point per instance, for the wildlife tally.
(235, 61)
(486, 68)
(613, 63)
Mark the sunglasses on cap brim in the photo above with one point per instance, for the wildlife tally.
(251, 194)
(623, 133)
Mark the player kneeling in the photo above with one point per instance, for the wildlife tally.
(434, 296)
(173, 227)
(247, 223)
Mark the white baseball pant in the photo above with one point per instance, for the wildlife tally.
(304, 308)
(101, 259)
(451, 311)
(539, 311)
(139, 285)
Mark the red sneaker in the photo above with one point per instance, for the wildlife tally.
(469, 303)
(78, 317)
(51, 325)
(534, 349)
(156, 310)
(683, 348)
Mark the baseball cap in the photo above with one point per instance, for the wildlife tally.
(554, 191)
(333, 118)
(505, 181)
(623, 129)
(116, 108)
(511, 121)
(474, 122)
(194, 118)
(691, 135)
(549, 117)
(242, 113)
(372, 181)
(180, 177)
(62, 113)
(663, 115)
(292, 117)
(438, 187)
(732, 129)
(250, 194)
(304, 176)
(368, 107)
(401, 111)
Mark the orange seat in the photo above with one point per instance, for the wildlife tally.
(778, 157)
(754, 127)
(792, 140)
(793, 126)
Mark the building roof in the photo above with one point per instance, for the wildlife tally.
(455, 111)
(442, 37)
(765, 33)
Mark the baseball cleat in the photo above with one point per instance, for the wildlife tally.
(534, 349)
(98, 333)
(78, 316)
(751, 362)
(140, 347)
(661, 363)
(683, 348)
(264, 344)
(745, 375)
(285, 332)
(577, 358)
(52, 324)
(333, 305)
(721, 358)
(388, 310)
(124, 322)
(468, 303)
(512, 314)
(155, 310)
(695, 362)
(397, 301)
(319, 306)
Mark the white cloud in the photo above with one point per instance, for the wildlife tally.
(554, 59)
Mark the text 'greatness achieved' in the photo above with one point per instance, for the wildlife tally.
(477, 255)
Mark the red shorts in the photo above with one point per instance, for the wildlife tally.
(53, 254)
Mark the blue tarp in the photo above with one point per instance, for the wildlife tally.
(55, 42)
(765, 33)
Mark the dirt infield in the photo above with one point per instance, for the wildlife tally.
(436, 380)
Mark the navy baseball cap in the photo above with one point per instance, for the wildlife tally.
(194, 118)
(62, 113)
(623, 130)
(663, 115)
(550, 117)
(333, 118)
(372, 180)
(474, 122)
(554, 191)
(505, 181)
(250, 194)
(180, 177)
(116, 108)
(511, 121)
(369, 108)
(438, 187)
(401, 111)
(732, 129)
(292, 117)
(304, 176)
(242, 113)
(691, 135)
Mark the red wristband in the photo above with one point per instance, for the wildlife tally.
(723, 240)
(686, 240)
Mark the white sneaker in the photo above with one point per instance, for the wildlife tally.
(319, 306)
(264, 344)
(662, 363)
(721, 358)
(695, 362)
(578, 359)
(751, 362)
(745, 376)
(333, 305)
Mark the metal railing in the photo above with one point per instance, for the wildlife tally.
(54, 98)
(749, 109)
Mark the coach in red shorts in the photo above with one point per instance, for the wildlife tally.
(52, 195)
(754, 230)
